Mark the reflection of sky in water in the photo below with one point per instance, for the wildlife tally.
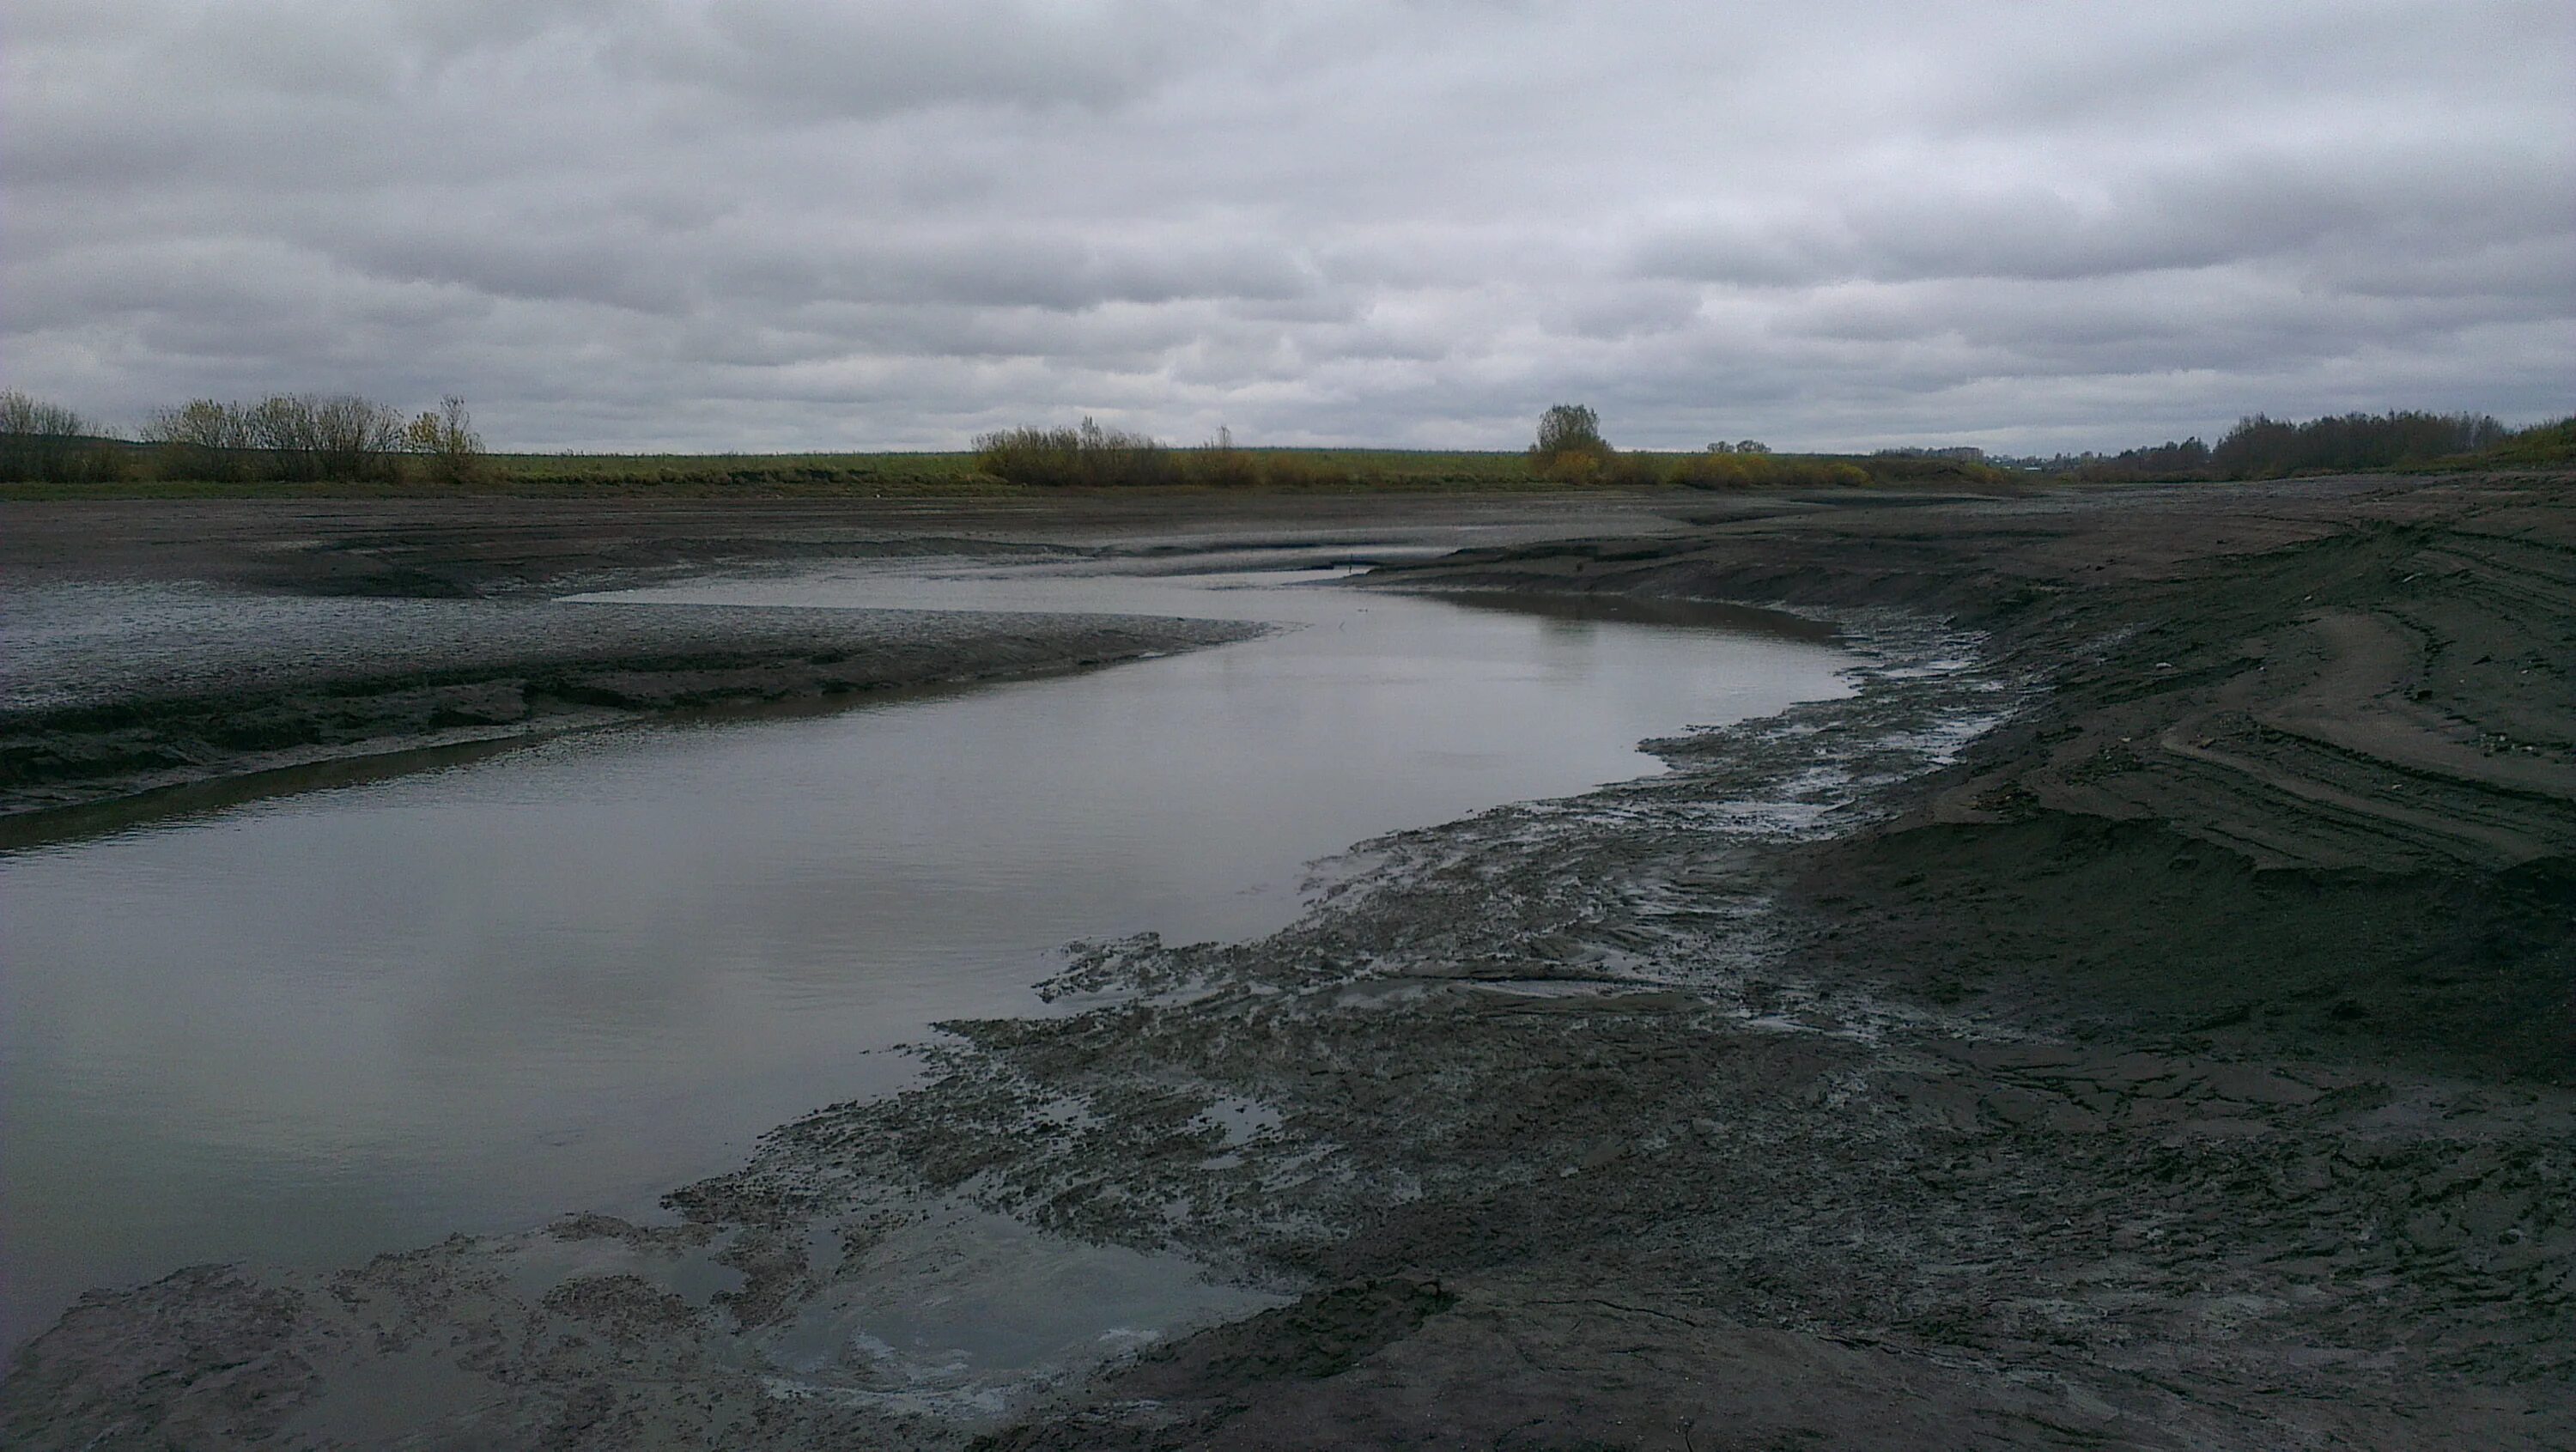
(964, 1311)
(569, 977)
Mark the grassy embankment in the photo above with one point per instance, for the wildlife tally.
(2550, 446)
(120, 469)
(790, 476)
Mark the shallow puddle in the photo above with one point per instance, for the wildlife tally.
(969, 1312)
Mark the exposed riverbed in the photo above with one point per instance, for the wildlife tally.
(2134, 1014)
(566, 978)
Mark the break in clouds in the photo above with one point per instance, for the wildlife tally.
(768, 224)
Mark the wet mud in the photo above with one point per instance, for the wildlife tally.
(2137, 1016)
(156, 649)
(242, 685)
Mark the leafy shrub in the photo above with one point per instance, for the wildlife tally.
(1088, 457)
(1736, 470)
(1632, 471)
(1569, 448)
(1220, 465)
(1574, 466)
(446, 443)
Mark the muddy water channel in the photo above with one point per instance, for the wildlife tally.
(574, 975)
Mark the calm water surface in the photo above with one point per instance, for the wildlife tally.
(320, 1026)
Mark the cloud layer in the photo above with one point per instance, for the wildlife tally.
(708, 224)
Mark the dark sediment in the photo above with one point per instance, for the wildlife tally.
(288, 686)
(358, 629)
(2305, 761)
(2138, 1017)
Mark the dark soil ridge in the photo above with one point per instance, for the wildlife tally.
(522, 670)
(2306, 754)
(529, 548)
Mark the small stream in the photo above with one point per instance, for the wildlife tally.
(572, 976)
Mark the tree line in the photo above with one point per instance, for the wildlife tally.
(2263, 447)
(1088, 456)
(285, 436)
(328, 437)
(1569, 449)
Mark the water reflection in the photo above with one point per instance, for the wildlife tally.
(568, 977)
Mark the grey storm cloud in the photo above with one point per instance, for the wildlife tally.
(812, 223)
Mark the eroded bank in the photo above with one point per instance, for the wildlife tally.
(1850, 1082)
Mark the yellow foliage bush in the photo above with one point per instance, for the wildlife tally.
(1764, 471)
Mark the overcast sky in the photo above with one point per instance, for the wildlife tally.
(761, 224)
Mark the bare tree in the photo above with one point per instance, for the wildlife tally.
(446, 439)
(286, 436)
(200, 423)
(30, 417)
(40, 440)
(329, 436)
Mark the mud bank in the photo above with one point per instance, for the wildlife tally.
(522, 548)
(2051, 1044)
(272, 638)
(2299, 761)
(226, 686)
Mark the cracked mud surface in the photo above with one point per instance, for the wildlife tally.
(1973, 1061)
